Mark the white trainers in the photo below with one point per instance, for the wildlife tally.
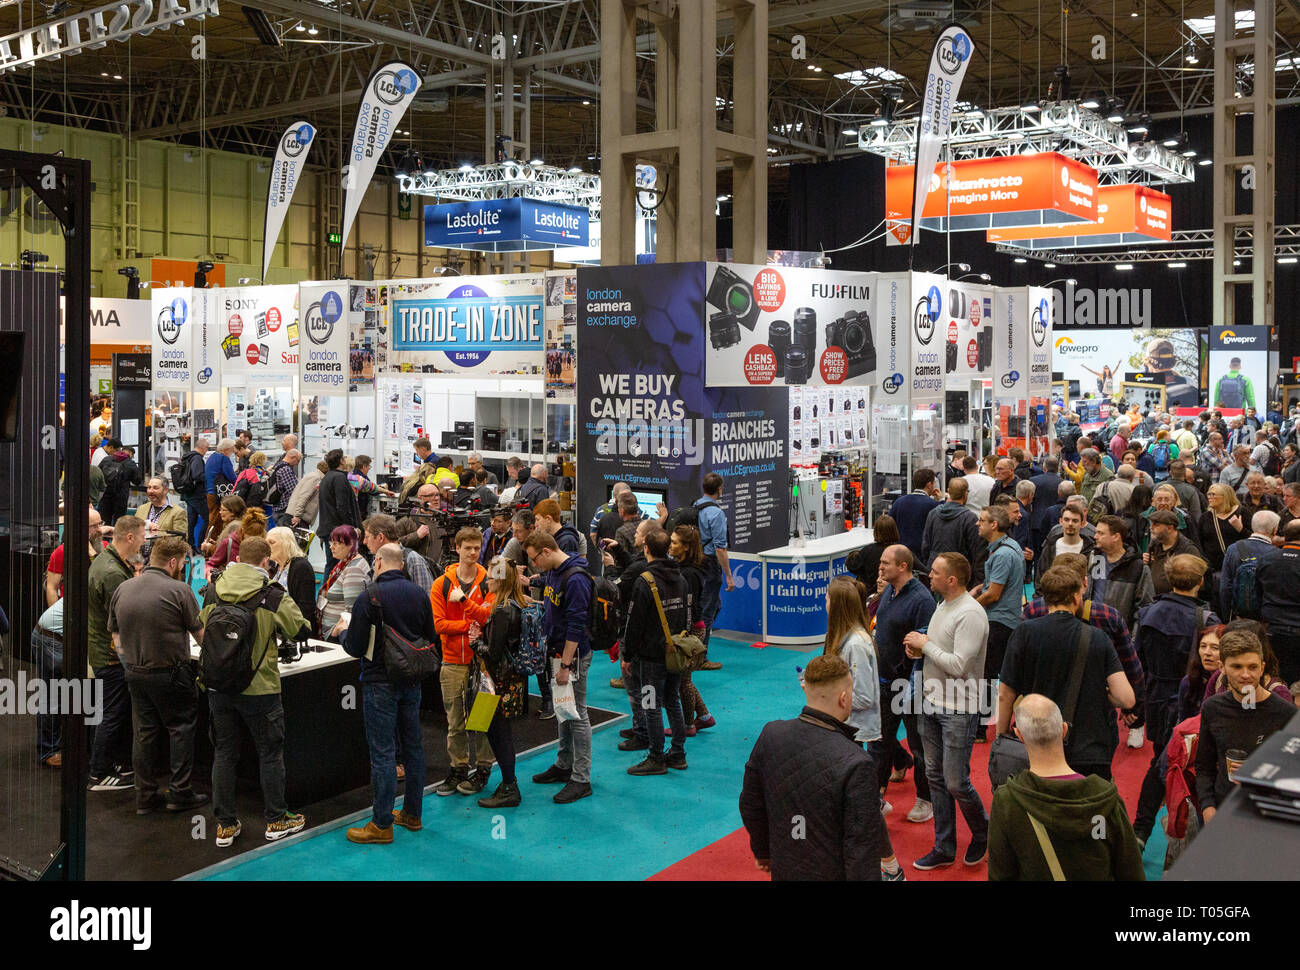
(1137, 737)
(922, 811)
(885, 807)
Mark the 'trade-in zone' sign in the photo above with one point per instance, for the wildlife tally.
(469, 326)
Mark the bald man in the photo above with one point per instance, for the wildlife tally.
(535, 489)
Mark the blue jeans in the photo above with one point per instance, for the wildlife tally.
(264, 716)
(661, 691)
(947, 740)
(48, 654)
(575, 736)
(197, 508)
(711, 595)
(112, 743)
(389, 710)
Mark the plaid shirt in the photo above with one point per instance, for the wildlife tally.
(286, 477)
(1108, 620)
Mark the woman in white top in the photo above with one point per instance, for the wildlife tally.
(847, 638)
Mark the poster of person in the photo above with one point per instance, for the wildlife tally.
(1238, 368)
(1095, 361)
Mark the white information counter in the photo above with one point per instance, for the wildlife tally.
(795, 579)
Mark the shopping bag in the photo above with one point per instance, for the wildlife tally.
(481, 700)
(566, 705)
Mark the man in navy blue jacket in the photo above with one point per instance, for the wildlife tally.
(905, 605)
(219, 479)
(567, 593)
(910, 511)
(390, 708)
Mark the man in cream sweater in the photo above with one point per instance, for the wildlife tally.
(953, 650)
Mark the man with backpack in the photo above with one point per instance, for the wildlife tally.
(1238, 589)
(464, 581)
(711, 520)
(219, 480)
(1075, 665)
(1163, 452)
(568, 594)
(244, 615)
(659, 608)
(120, 473)
(1234, 389)
(390, 707)
(1164, 635)
(187, 478)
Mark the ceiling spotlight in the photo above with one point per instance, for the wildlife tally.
(1189, 153)
(1029, 106)
(1177, 265)
(574, 169)
(1205, 161)
(1123, 267)
(1143, 125)
(1093, 101)
(1114, 111)
(312, 30)
(1021, 259)
(1286, 259)
(892, 92)
(850, 133)
(466, 167)
(879, 121)
(536, 161)
(1134, 12)
(814, 68)
(300, 27)
(1192, 58)
(117, 77)
(586, 102)
(1049, 266)
(1175, 141)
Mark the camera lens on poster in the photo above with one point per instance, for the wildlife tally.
(797, 366)
(778, 338)
(805, 330)
(724, 331)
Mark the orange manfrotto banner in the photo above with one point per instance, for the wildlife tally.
(1128, 210)
(981, 193)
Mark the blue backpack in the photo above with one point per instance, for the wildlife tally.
(531, 659)
(1245, 591)
(1160, 452)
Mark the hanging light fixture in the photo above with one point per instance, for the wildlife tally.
(1114, 111)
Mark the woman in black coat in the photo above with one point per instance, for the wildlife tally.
(501, 618)
(684, 545)
(295, 574)
(864, 563)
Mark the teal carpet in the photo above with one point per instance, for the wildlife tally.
(631, 828)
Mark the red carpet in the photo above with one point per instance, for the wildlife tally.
(729, 858)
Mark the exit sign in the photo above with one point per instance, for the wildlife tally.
(335, 239)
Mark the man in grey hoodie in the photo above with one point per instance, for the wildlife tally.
(952, 527)
(953, 649)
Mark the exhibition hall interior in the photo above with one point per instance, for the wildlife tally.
(659, 441)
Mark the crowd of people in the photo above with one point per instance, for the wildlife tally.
(1028, 606)
(1157, 586)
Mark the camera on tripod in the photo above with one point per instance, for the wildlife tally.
(852, 333)
(732, 294)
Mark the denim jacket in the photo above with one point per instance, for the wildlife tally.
(857, 652)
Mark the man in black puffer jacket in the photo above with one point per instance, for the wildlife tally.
(811, 770)
(338, 504)
(643, 652)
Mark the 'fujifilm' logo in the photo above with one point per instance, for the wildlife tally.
(1101, 308)
(841, 291)
(102, 924)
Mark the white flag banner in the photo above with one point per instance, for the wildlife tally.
(390, 92)
(952, 55)
(290, 161)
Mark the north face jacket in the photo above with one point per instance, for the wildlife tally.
(1128, 586)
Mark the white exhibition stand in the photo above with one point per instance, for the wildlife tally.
(795, 579)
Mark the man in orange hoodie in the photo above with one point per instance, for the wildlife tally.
(466, 580)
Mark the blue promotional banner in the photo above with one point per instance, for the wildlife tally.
(467, 326)
(646, 418)
(505, 225)
(796, 597)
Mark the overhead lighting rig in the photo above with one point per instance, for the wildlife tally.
(1063, 126)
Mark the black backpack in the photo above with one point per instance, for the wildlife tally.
(182, 474)
(229, 638)
(253, 493)
(274, 497)
(690, 515)
(605, 619)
